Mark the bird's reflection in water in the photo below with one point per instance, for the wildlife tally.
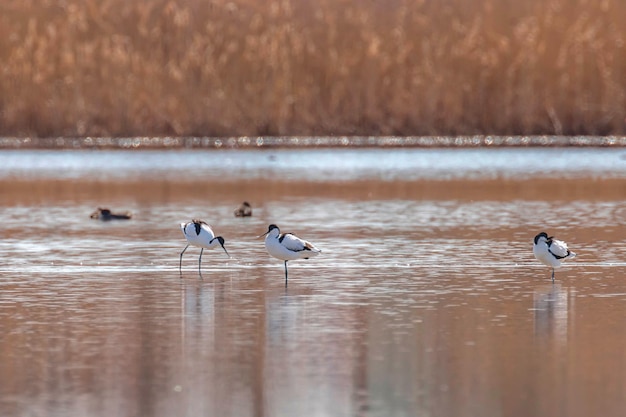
(198, 310)
(552, 305)
(284, 312)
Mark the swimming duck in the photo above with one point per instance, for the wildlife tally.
(105, 214)
(244, 210)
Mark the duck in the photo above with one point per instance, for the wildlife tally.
(244, 210)
(105, 214)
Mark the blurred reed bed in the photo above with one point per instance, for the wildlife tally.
(304, 67)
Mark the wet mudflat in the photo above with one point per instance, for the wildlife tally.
(426, 299)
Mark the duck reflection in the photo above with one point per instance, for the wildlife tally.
(551, 305)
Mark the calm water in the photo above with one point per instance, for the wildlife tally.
(426, 300)
(318, 164)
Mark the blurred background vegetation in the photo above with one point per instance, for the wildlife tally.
(304, 67)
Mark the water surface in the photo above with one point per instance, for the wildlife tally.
(426, 299)
(318, 164)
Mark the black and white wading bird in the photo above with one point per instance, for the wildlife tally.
(287, 247)
(199, 233)
(551, 252)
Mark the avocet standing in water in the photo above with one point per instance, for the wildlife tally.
(551, 252)
(199, 233)
(287, 247)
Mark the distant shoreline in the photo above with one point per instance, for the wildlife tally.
(274, 142)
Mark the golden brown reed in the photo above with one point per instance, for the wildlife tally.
(303, 67)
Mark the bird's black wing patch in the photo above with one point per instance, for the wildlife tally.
(198, 226)
(557, 256)
(554, 254)
(282, 237)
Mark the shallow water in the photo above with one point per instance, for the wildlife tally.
(426, 299)
(318, 164)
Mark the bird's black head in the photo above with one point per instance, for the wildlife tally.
(269, 229)
(540, 235)
(246, 204)
(105, 212)
(222, 241)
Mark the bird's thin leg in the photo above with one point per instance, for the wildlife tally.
(285, 273)
(200, 262)
(180, 265)
(553, 275)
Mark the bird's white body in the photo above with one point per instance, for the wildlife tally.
(288, 247)
(199, 233)
(551, 252)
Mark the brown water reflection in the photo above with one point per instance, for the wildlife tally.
(425, 300)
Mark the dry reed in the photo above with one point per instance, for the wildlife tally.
(303, 67)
